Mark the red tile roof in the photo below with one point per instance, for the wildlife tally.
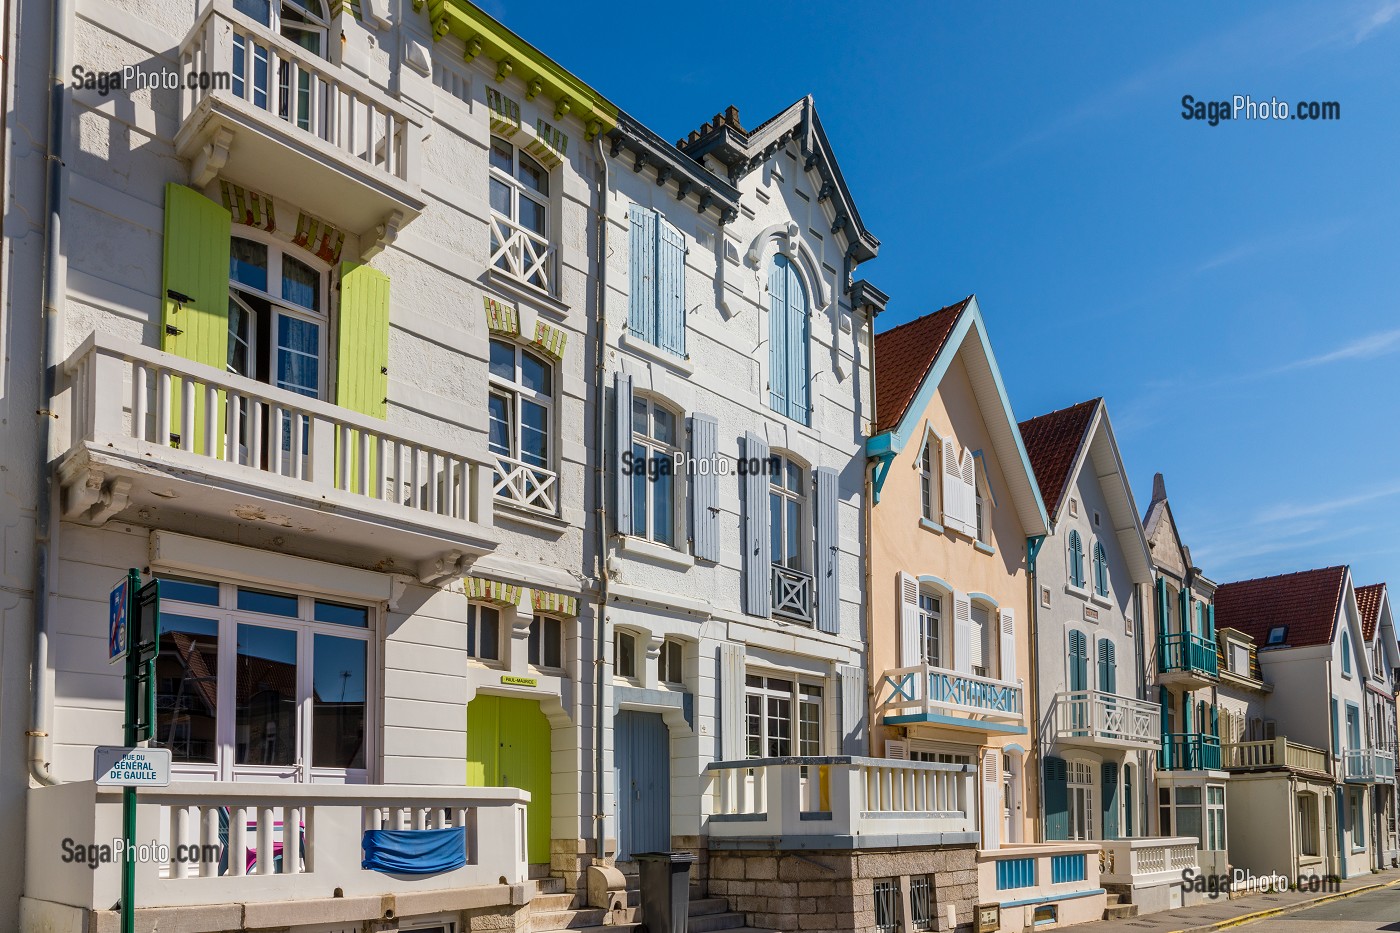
(1052, 440)
(1368, 600)
(903, 356)
(1306, 602)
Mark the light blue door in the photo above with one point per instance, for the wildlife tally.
(642, 755)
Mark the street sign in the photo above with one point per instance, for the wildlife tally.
(117, 631)
(114, 766)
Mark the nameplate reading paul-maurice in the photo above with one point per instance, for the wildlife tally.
(114, 766)
(510, 680)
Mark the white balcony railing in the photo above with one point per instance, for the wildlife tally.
(845, 796)
(522, 254)
(922, 689)
(1274, 754)
(1147, 861)
(291, 84)
(524, 484)
(1369, 766)
(792, 594)
(315, 830)
(154, 409)
(1096, 717)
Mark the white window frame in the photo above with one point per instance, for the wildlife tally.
(518, 189)
(539, 636)
(644, 525)
(1081, 794)
(1213, 819)
(670, 663)
(933, 621)
(799, 703)
(516, 394)
(476, 622)
(802, 497)
(277, 251)
(638, 654)
(930, 465)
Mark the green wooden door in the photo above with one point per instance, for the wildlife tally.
(508, 746)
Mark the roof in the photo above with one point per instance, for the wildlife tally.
(1052, 441)
(1307, 602)
(1368, 601)
(903, 357)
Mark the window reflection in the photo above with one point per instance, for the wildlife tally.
(338, 703)
(266, 696)
(187, 687)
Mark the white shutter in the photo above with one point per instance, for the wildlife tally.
(977, 637)
(731, 698)
(910, 644)
(1008, 645)
(854, 709)
(962, 633)
(967, 473)
(952, 486)
(896, 750)
(991, 799)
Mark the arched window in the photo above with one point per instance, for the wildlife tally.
(788, 390)
(520, 403)
(1346, 654)
(1076, 560)
(1100, 569)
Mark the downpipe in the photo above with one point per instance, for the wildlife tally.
(600, 517)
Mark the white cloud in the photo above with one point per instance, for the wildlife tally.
(1377, 20)
(1292, 511)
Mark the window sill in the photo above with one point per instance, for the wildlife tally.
(929, 525)
(514, 513)
(639, 347)
(984, 547)
(1073, 590)
(543, 299)
(548, 671)
(1103, 601)
(658, 553)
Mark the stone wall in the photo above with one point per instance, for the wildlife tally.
(834, 890)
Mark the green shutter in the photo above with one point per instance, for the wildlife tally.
(196, 267)
(362, 357)
(1056, 798)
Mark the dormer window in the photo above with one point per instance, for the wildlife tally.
(1277, 635)
(1239, 659)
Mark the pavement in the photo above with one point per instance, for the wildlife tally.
(1286, 911)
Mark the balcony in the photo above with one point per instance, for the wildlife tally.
(936, 695)
(523, 255)
(865, 802)
(526, 485)
(315, 830)
(792, 594)
(158, 438)
(1186, 658)
(1276, 754)
(1190, 751)
(284, 121)
(1369, 766)
(1147, 861)
(1088, 717)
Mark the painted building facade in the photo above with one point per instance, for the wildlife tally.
(1383, 658)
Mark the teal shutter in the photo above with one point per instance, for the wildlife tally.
(1164, 696)
(622, 443)
(1056, 798)
(826, 563)
(1078, 660)
(777, 335)
(1108, 666)
(1210, 621)
(1109, 775)
(641, 318)
(797, 343)
(670, 288)
(1163, 611)
(1076, 559)
(1215, 721)
(1183, 606)
(1336, 731)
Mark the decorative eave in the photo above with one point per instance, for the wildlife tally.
(482, 35)
(743, 151)
(674, 169)
(865, 295)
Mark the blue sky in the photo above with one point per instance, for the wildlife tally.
(1230, 290)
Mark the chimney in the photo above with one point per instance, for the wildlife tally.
(731, 116)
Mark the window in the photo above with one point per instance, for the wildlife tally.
(1100, 569)
(1164, 811)
(1076, 560)
(787, 508)
(625, 655)
(1239, 659)
(653, 490)
(1215, 818)
(1188, 813)
(276, 317)
(305, 23)
(546, 646)
(672, 662)
(788, 390)
(1346, 654)
(483, 632)
(262, 685)
(520, 404)
(519, 191)
(1080, 775)
(981, 629)
(981, 516)
(931, 627)
(921, 902)
(929, 477)
(1356, 817)
(656, 311)
(947, 758)
(777, 709)
(887, 911)
(1277, 634)
(1307, 824)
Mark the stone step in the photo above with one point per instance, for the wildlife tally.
(583, 919)
(710, 923)
(1113, 900)
(550, 902)
(1120, 912)
(700, 906)
(550, 885)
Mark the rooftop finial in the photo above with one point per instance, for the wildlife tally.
(1159, 488)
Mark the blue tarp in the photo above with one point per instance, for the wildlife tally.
(414, 851)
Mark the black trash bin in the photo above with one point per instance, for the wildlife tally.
(665, 879)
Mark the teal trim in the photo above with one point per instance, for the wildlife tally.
(1015, 873)
(883, 462)
(1013, 747)
(1067, 896)
(1067, 868)
(1033, 544)
(927, 525)
(913, 414)
(984, 548)
(938, 719)
(936, 581)
(984, 598)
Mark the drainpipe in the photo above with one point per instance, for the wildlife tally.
(50, 345)
(600, 658)
(868, 518)
(1037, 751)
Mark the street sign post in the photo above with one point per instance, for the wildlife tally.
(115, 766)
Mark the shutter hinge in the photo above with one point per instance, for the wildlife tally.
(383, 370)
(172, 330)
(180, 298)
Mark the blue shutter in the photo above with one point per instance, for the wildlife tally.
(1164, 696)
(757, 550)
(1109, 781)
(1108, 666)
(827, 561)
(797, 342)
(622, 442)
(1210, 621)
(670, 288)
(777, 335)
(641, 317)
(1056, 798)
(704, 487)
(1076, 559)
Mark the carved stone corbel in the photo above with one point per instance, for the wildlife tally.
(211, 158)
(385, 234)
